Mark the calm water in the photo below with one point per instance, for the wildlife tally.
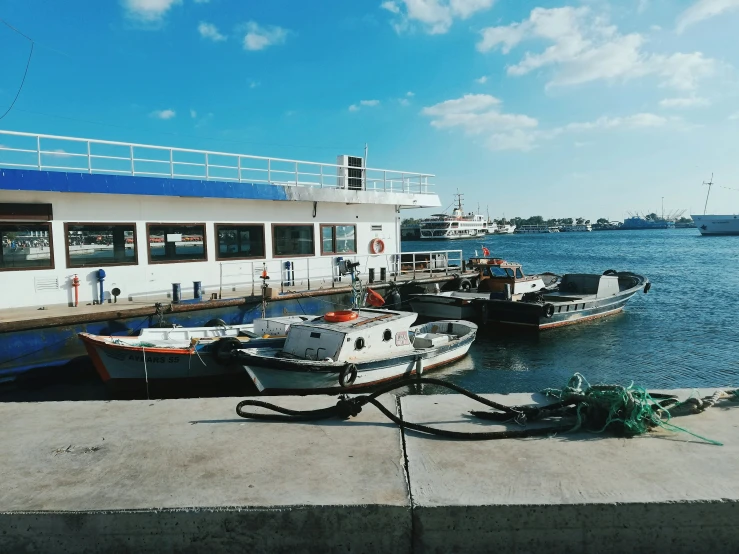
(684, 333)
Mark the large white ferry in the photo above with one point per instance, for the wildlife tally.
(108, 238)
(716, 224)
(458, 225)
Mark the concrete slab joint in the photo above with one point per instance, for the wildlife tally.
(190, 476)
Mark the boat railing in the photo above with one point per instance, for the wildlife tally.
(306, 274)
(70, 154)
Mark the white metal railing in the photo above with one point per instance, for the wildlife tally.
(59, 153)
(320, 273)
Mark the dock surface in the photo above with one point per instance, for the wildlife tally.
(189, 475)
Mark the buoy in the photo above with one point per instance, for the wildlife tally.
(375, 298)
(377, 246)
(340, 316)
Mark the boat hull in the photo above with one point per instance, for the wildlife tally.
(126, 362)
(717, 225)
(279, 376)
(443, 307)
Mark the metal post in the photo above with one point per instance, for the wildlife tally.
(321, 171)
(238, 165)
(171, 163)
(414, 265)
(206, 166)
(252, 278)
(38, 150)
(133, 166)
(307, 271)
(269, 171)
(89, 159)
(297, 175)
(384, 181)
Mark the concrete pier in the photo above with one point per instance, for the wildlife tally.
(190, 476)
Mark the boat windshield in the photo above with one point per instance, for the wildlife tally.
(497, 271)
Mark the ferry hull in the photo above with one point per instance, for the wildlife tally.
(717, 225)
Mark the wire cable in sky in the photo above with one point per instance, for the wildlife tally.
(25, 73)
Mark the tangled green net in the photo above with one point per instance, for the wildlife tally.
(631, 410)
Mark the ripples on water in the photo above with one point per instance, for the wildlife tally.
(682, 334)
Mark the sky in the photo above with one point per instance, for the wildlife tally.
(584, 108)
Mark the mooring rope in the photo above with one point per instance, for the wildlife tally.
(628, 411)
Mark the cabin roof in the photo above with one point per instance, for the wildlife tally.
(367, 318)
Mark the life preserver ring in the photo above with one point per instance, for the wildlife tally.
(547, 310)
(216, 323)
(465, 285)
(610, 272)
(340, 316)
(348, 375)
(377, 246)
(375, 299)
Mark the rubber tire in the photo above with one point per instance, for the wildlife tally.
(547, 310)
(647, 287)
(216, 323)
(348, 375)
(162, 325)
(224, 349)
(465, 285)
(610, 272)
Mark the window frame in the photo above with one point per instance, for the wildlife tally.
(333, 239)
(280, 256)
(226, 258)
(51, 245)
(103, 264)
(157, 262)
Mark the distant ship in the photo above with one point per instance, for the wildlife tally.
(642, 223)
(716, 224)
(456, 226)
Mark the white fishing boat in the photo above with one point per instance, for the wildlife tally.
(344, 351)
(180, 352)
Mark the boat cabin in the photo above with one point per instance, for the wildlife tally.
(581, 284)
(495, 274)
(368, 334)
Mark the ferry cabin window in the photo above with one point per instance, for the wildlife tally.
(175, 242)
(292, 240)
(519, 275)
(338, 239)
(240, 241)
(26, 246)
(99, 244)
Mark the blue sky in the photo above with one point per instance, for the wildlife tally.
(561, 109)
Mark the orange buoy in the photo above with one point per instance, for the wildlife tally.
(340, 316)
(377, 246)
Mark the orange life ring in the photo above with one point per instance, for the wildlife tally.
(340, 316)
(377, 246)
(374, 298)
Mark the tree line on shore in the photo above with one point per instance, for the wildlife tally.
(539, 220)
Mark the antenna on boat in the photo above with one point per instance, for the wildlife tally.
(710, 184)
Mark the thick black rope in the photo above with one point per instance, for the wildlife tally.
(349, 407)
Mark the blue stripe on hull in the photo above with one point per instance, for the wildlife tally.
(60, 181)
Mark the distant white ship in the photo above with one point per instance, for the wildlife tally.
(456, 226)
(716, 224)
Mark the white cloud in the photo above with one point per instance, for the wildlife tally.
(410, 94)
(734, 116)
(259, 38)
(480, 115)
(404, 101)
(149, 11)
(704, 9)
(642, 6)
(365, 103)
(685, 102)
(482, 80)
(655, 28)
(435, 16)
(202, 1)
(210, 31)
(193, 113)
(585, 47)
(254, 84)
(163, 114)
